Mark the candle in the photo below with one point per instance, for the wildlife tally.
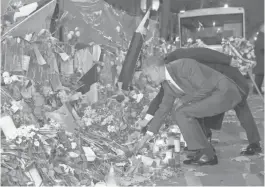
(33, 173)
(8, 127)
(177, 145)
(168, 156)
(171, 140)
(182, 138)
(183, 142)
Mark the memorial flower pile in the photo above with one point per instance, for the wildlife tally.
(42, 151)
(243, 53)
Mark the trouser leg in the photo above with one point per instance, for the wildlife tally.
(224, 99)
(259, 80)
(247, 121)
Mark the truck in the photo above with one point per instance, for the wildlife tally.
(211, 25)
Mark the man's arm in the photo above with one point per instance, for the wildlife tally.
(154, 105)
(202, 55)
(193, 73)
(165, 106)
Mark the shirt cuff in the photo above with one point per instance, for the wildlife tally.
(148, 117)
(149, 133)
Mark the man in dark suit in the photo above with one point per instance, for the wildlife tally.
(214, 59)
(204, 93)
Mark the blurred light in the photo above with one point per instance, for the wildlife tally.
(155, 4)
(214, 23)
(226, 6)
(255, 38)
(182, 11)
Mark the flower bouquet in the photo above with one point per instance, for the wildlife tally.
(242, 51)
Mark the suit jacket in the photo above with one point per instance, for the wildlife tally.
(214, 59)
(198, 81)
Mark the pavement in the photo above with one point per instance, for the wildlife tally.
(232, 169)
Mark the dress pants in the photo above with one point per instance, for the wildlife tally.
(259, 80)
(244, 116)
(224, 98)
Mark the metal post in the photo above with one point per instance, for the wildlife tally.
(165, 16)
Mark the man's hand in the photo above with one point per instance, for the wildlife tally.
(142, 125)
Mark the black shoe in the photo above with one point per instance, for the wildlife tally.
(193, 155)
(187, 149)
(252, 149)
(202, 160)
(196, 154)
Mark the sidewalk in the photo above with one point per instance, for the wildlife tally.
(232, 169)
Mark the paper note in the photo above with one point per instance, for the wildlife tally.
(64, 56)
